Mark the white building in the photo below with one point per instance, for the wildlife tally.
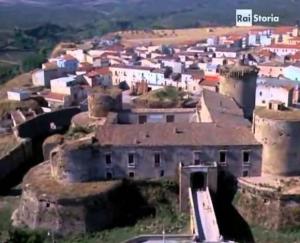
(272, 89)
(18, 94)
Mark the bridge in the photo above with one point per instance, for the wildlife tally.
(204, 222)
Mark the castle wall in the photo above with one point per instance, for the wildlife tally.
(89, 163)
(64, 216)
(46, 123)
(268, 208)
(158, 117)
(15, 158)
(280, 138)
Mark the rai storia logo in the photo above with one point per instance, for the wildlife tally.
(244, 17)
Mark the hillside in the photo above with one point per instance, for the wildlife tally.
(138, 13)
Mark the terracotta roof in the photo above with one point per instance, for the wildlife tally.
(210, 81)
(296, 56)
(257, 31)
(99, 71)
(282, 30)
(283, 46)
(132, 67)
(265, 53)
(54, 96)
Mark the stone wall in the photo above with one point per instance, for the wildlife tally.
(47, 123)
(280, 139)
(68, 208)
(268, 208)
(152, 116)
(85, 161)
(64, 216)
(15, 158)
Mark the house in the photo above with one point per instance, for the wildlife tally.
(99, 77)
(42, 77)
(69, 86)
(271, 69)
(79, 54)
(190, 80)
(212, 41)
(292, 72)
(231, 52)
(56, 100)
(296, 57)
(68, 63)
(210, 82)
(283, 49)
(18, 94)
(270, 89)
(130, 74)
(177, 66)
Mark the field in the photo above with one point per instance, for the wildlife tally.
(177, 36)
(23, 80)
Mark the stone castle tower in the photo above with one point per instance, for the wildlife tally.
(239, 82)
(278, 129)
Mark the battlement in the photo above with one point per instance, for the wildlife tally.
(238, 71)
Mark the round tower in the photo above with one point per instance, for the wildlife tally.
(101, 101)
(239, 82)
(278, 129)
(76, 161)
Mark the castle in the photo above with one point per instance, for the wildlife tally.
(153, 143)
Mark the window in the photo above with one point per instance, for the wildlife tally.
(197, 158)
(170, 119)
(142, 119)
(157, 160)
(245, 173)
(260, 93)
(131, 162)
(131, 174)
(108, 159)
(162, 173)
(246, 157)
(109, 175)
(222, 157)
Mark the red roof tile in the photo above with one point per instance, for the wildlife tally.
(54, 96)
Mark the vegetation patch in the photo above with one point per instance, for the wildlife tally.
(169, 97)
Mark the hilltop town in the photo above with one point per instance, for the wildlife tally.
(218, 117)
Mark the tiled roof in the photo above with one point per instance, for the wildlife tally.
(53, 96)
(180, 134)
(223, 110)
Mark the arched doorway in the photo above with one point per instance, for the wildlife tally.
(198, 180)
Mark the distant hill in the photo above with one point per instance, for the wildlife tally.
(140, 13)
